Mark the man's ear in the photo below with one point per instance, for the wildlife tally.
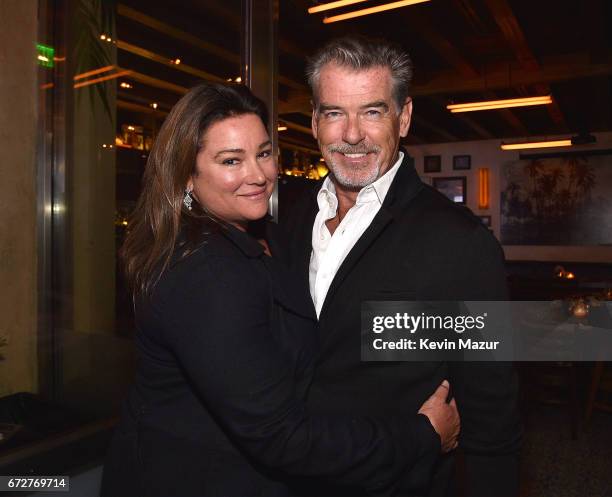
(405, 117)
(313, 121)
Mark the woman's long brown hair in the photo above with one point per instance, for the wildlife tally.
(160, 214)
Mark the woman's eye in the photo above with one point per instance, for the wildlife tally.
(265, 154)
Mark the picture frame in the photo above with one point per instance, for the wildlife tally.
(432, 163)
(462, 162)
(453, 187)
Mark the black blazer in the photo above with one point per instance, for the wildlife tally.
(420, 246)
(226, 346)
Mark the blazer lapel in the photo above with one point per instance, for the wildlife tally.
(405, 186)
(301, 237)
(382, 219)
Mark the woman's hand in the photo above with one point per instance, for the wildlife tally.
(443, 416)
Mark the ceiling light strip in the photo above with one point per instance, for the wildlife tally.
(91, 73)
(333, 5)
(500, 104)
(505, 101)
(544, 144)
(103, 78)
(372, 10)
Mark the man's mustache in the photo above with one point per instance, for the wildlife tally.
(353, 149)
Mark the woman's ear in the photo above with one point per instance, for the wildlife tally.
(189, 185)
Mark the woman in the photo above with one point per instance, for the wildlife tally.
(225, 342)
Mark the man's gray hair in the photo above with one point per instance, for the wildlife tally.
(360, 53)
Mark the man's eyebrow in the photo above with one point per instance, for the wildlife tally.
(379, 103)
(229, 151)
(325, 107)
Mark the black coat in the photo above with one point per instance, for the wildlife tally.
(226, 346)
(420, 246)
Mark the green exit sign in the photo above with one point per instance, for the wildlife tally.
(45, 55)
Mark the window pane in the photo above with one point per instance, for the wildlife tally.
(116, 71)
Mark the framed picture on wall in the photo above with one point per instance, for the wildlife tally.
(432, 163)
(462, 162)
(454, 187)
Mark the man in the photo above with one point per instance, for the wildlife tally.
(374, 231)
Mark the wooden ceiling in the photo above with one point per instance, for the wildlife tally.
(463, 50)
(467, 50)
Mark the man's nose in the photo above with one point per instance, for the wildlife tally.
(353, 132)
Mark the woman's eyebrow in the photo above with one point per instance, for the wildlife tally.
(229, 151)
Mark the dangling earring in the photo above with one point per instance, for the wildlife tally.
(188, 199)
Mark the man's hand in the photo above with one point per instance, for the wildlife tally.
(443, 416)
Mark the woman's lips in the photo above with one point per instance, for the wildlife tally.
(256, 195)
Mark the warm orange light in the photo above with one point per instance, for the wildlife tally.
(372, 10)
(103, 78)
(332, 5)
(322, 170)
(95, 71)
(544, 144)
(569, 276)
(500, 104)
(282, 128)
(483, 190)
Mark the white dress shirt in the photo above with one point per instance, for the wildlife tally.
(329, 251)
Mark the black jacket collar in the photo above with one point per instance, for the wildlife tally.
(243, 240)
(406, 185)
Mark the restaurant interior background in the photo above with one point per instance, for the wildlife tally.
(86, 85)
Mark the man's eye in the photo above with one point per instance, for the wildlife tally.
(230, 162)
(332, 114)
(373, 113)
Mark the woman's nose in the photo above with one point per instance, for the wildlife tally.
(255, 173)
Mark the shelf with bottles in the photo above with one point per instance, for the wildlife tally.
(301, 164)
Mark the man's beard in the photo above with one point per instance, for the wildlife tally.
(346, 177)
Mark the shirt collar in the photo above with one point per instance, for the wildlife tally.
(379, 188)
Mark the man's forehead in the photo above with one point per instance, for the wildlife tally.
(331, 70)
(342, 82)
